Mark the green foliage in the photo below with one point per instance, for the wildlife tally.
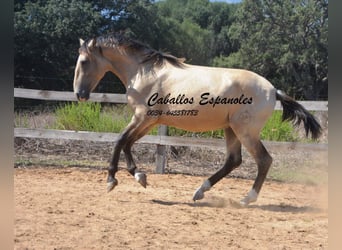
(274, 130)
(277, 130)
(46, 41)
(21, 120)
(286, 42)
(195, 29)
(87, 116)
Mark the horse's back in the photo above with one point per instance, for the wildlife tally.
(220, 96)
(259, 95)
(217, 76)
(228, 82)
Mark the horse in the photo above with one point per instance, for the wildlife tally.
(163, 89)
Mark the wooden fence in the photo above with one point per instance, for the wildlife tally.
(161, 140)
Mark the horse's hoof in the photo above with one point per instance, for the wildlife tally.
(252, 196)
(141, 178)
(111, 185)
(198, 195)
(244, 202)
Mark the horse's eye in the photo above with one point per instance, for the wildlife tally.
(84, 63)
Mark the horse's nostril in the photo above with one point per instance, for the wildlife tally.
(82, 95)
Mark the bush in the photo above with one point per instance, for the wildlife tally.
(87, 116)
(276, 130)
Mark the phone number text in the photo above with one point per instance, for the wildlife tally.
(177, 112)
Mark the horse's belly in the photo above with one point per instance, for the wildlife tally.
(196, 121)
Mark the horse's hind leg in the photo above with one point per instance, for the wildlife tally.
(233, 161)
(263, 160)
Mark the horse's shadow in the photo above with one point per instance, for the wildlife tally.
(281, 208)
(190, 204)
(285, 208)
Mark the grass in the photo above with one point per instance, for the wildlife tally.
(274, 130)
(87, 116)
(277, 130)
(21, 120)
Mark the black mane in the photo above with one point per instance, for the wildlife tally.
(148, 54)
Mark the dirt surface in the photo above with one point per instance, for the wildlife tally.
(68, 208)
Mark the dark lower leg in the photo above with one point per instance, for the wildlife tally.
(135, 130)
(232, 162)
(234, 159)
(113, 167)
(131, 167)
(264, 162)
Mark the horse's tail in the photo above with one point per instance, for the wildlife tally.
(293, 111)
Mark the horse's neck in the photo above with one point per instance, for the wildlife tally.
(123, 66)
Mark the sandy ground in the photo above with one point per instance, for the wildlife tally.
(68, 208)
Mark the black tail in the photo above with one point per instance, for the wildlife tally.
(293, 111)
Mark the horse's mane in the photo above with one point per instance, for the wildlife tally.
(148, 54)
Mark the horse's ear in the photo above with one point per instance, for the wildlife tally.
(81, 41)
(92, 43)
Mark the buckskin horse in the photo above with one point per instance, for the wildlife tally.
(162, 89)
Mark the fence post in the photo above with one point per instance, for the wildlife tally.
(161, 152)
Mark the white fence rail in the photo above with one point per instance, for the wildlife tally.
(66, 96)
(161, 140)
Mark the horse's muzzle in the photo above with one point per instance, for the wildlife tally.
(82, 95)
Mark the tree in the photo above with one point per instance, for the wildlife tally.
(46, 41)
(286, 42)
(221, 19)
(195, 29)
(47, 32)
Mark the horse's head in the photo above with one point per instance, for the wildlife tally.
(90, 68)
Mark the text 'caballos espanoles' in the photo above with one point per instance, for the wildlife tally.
(204, 99)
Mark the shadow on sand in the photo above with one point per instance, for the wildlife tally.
(220, 203)
(287, 208)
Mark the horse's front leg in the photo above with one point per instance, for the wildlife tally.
(123, 139)
(113, 167)
(134, 131)
(132, 168)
